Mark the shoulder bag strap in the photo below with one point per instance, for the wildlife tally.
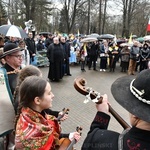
(120, 139)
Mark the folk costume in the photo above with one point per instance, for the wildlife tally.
(133, 95)
(99, 138)
(12, 77)
(12, 74)
(33, 131)
(83, 55)
(113, 57)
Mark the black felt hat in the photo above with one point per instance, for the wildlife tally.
(10, 48)
(134, 94)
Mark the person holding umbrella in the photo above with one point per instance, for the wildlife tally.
(13, 31)
(12, 40)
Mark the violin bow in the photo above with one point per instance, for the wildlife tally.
(79, 84)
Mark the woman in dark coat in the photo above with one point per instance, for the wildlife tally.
(125, 56)
(40, 45)
(55, 54)
(144, 56)
(93, 53)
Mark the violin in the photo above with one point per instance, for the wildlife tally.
(66, 144)
(64, 111)
(79, 84)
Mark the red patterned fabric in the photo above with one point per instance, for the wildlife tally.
(35, 132)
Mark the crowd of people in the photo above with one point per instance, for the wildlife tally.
(38, 127)
(64, 50)
(132, 58)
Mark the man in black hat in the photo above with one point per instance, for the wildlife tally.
(133, 95)
(13, 57)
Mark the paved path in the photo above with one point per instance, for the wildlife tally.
(82, 114)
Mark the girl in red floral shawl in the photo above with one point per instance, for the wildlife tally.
(32, 130)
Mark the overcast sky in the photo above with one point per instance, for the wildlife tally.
(112, 9)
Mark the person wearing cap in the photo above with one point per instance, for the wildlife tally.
(13, 57)
(133, 95)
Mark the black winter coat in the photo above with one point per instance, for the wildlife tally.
(12, 78)
(99, 138)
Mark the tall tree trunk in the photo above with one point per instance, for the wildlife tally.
(100, 16)
(128, 18)
(32, 12)
(104, 18)
(27, 11)
(73, 15)
(88, 23)
(130, 14)
(125, 7)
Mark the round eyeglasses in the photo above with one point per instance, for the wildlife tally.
(18, 56)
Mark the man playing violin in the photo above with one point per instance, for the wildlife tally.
(133, 95)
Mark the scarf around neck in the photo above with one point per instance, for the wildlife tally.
(34, 132)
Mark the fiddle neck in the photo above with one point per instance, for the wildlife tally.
(70, 147)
